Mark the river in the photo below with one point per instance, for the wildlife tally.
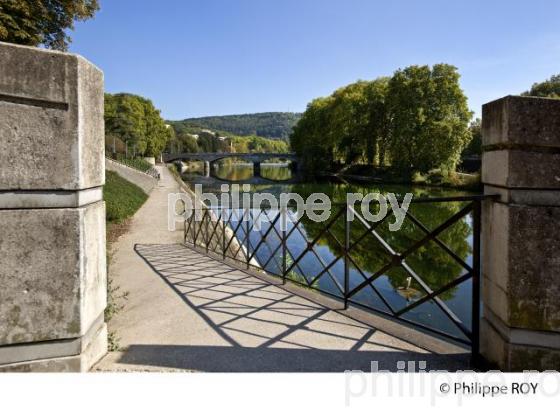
(434, 266)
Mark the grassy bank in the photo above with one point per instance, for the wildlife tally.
(434, 178)
(137, 163)
(122, 200)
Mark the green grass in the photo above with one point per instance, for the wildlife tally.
(122, 198)
(137, 163)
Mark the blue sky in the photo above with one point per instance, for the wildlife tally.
(215, 57)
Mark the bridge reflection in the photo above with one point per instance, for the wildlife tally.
(253, 175)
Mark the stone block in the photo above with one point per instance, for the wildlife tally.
(53, 273)
(537, 197)
(525, 121)
(521, 258)
(51, 133)
(521, 169)
(89, 355)
(500, 352)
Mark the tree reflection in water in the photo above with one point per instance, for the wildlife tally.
(432, 264)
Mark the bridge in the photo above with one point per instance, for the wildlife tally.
(254, 157)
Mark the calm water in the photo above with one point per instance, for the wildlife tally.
(434, 266)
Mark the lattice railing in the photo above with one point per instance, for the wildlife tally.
(426, 274)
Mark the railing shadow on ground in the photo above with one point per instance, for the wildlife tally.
(267, 328)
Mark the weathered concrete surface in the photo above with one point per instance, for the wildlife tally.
(51, 128)
(186, 311)
(50, 357)
(52, 217)
(522, 263)
(521, 169)
(138, 178)
(521, 246)
(150, 160)
(52, 275)
(528, 121)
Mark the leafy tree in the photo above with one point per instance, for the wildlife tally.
(313, 139)
(35, 22)
(548, 88)
(429, 118)
(475, 146)
(136, 121)
(376, 132)
(258, 144)
(349, 120)
(349, 125)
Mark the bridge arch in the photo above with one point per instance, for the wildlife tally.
(210, 158)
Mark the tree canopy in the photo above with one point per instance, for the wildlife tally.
(549, 88)
(136, 122)
(35, 22)
(416, 120)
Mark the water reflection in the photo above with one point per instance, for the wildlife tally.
(434, 266)
(229, 170)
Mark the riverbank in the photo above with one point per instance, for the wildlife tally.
(366, 174)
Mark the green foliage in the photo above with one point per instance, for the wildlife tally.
(122, 198)
(429, 118)
(276, 125)
(313, 138)
(137, 163)
(136, 122)
(417, 119)
(34, 22)
(258, 144)
(182, 141)
(193, 139)
(549, 88)
(115, 303)
(435, 266)
(475, 146)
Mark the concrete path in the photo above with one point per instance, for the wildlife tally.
(189, 312)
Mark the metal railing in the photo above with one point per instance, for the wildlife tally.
(351, 243)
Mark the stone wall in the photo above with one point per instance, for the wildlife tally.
(520, 329)
(52, 217)
(139, 178)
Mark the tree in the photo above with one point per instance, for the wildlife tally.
(429, 118)
(135, 121)
(475, 146)
(549, 88)
(313, 139)
(378, 120)
(348, 120)
(35, 22)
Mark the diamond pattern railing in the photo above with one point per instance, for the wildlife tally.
(329, 257)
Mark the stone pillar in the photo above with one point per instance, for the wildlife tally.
(256, 169)
(53, 280)
(520, 329)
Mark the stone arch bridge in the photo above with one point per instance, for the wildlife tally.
(255, 158)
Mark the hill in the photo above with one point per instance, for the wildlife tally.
(277, 125)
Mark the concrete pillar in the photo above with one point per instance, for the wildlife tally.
(256, 169)
(207, 169)
(52, 216)
(520, 329)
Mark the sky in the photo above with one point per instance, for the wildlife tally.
(218, 57)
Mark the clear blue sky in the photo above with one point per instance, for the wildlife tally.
(215, 57)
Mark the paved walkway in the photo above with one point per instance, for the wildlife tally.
(189, 312)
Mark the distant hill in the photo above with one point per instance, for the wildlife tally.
(277, 125)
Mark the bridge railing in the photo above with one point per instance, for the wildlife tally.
(426, 274)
